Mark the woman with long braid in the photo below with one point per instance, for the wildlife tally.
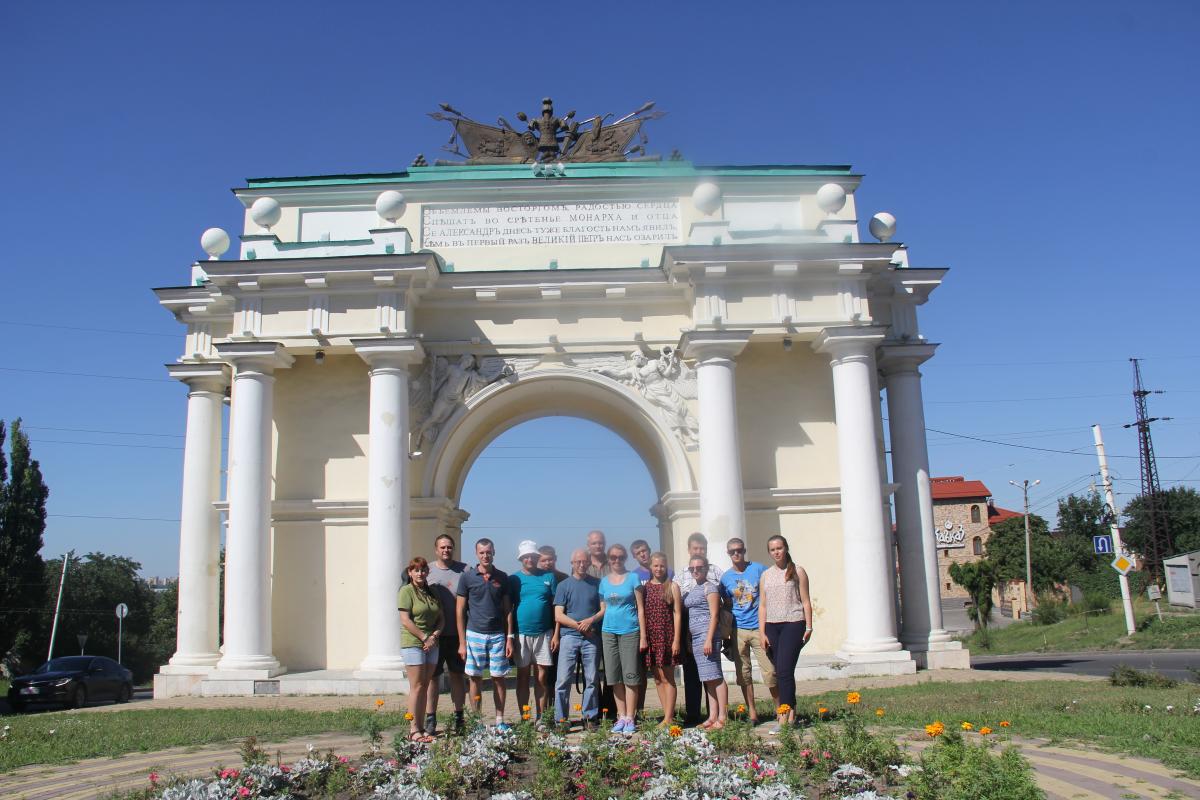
(784, 620)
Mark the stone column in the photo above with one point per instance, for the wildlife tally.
(722, 506)
(387, 495)
(869, 566)
(920, 593)
(196, 638)
(248, 648)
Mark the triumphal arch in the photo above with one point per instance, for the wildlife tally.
(375, 332)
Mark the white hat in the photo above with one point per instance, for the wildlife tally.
(527, 548)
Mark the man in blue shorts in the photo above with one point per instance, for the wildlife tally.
(485, 627)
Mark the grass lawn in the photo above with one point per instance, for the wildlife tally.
(1110, 717)
(1092, 632)
(76, 736)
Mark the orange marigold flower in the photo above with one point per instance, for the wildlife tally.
(936, 728)
(853, 698)
(524, 708)
(1004, 723)
(578, 707)
(966, 726)
(822, 710)
(408, 716)
(879, 712)
(783, 709)
(379, 703)
(675, 731)
(741, 709)
(525, 716)
(985, 730)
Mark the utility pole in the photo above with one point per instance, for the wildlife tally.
(61, 582)
(1118, 545)
(1158, 537)
(1024, 487)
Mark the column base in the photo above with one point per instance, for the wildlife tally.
(943, 655)
(934, 640)
(176, 684)
(187, 663)
(383, 663)
(854, 656)
(247, 668)
(361, 674)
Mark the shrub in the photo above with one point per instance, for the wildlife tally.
(952, 769)
(1096, 603)
(1049, 610)
(1123, 675)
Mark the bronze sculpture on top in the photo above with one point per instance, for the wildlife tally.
(548, 138)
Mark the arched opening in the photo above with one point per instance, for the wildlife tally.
(552, 480)
(975, 516)
(977, 546)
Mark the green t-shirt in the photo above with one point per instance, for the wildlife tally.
(425, 610)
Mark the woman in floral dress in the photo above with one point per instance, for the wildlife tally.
(702, 603)
(664, 619)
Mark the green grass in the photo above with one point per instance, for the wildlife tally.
(1092, 632)
(1109, 717)
(89, 735)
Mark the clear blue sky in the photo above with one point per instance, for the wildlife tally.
(1045, 152)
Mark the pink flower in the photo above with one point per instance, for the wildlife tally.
(353, 769)
(826, 754)
(503, 774)
(646, 774)
(153, 777)
(342, 759)
(285, 768)
(243, 791)
(393, 762)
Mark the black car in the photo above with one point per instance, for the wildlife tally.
(72, 681)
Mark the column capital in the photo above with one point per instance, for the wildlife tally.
(264, 357)
(703, 345)
(848, 342)
(895, 358)
(394, 353)
(209, 376)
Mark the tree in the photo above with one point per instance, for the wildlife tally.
(23, 496)
(1182, 507)
(978, 578)
(95, 585)
(1051, 558)
(1080, 519)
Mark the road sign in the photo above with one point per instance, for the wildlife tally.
(1153, 592)
(1122, 565)
(1102, 545)
(122, 611)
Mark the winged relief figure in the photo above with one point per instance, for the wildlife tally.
(667, 383)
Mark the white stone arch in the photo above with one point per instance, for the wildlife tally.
(555, 391)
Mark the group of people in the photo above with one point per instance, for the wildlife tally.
(475, 622)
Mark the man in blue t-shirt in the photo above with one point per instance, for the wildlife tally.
(740, 583)
(532, 593)
(577, 612)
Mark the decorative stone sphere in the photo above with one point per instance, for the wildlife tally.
(831, 198)
(707, 197)
(390, 205)
(215, 242)
(883, 226)
(265, 212)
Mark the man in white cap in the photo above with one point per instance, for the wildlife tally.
(532, 591)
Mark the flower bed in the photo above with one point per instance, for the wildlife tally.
(834, 756)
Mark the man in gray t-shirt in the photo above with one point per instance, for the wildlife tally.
(444, 575)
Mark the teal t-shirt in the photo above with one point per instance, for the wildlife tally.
(533, 600)
(620, 604)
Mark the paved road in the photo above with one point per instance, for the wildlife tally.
(1172, 663)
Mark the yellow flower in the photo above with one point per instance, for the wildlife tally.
(935, 729)
(853, 698)
(741, 709)
(879, 712)
(408, 716)
(1004, 723)
(783, 709)
(985, 730)
(578, 707)
(966, 726)
(675, 731)
(525, 716)
(379, 703)
(524, 708)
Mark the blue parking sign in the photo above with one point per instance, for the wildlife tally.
(1102, 545)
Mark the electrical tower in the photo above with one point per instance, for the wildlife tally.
(1158, 534)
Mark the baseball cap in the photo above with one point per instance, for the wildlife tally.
(527, 548)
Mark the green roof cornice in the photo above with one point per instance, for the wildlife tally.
(492, 172)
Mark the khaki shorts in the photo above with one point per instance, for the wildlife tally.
(748, 640)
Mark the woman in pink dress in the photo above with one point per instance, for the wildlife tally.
(664, 620)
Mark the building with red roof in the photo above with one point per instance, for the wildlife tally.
(963, 515)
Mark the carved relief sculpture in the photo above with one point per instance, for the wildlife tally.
(666, 382)
(444, 385)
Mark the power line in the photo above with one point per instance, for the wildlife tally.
(106, 444)
(1031, 447)
(92, 430)
(88, 330)
(87, 375)
(101, 516)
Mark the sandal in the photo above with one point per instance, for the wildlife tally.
(718, 725)
(420, 736)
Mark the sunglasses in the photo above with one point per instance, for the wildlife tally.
(617, 558)
(737, 551)
(698, 569)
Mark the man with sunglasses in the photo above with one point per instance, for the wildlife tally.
(740, 584)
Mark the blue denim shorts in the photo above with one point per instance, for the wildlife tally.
(416, 656)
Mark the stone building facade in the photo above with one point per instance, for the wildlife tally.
(963, 516)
